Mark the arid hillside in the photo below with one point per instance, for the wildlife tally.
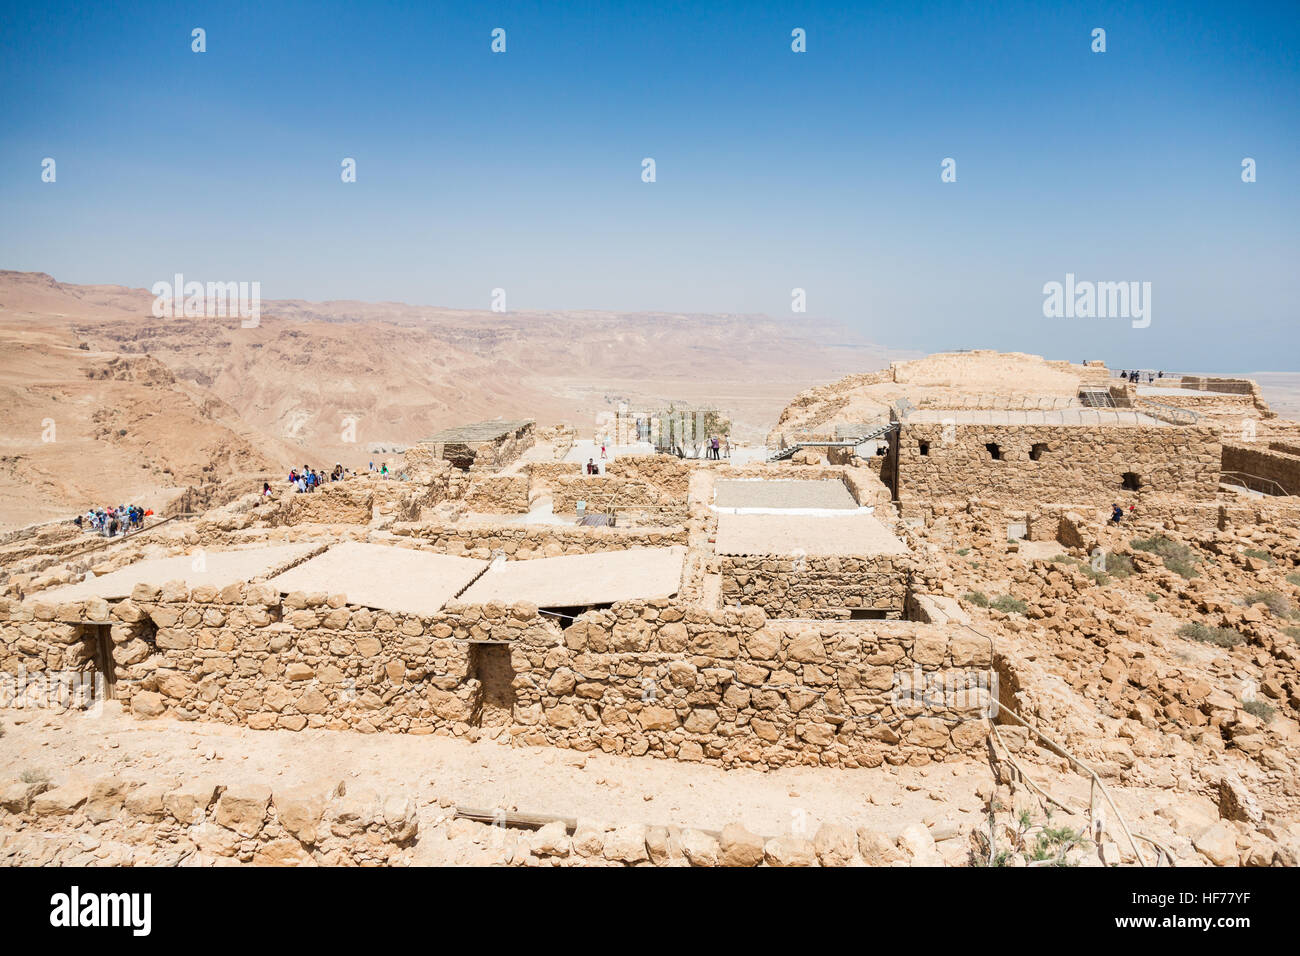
(143, 407)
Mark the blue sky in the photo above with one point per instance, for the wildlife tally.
(775, 170)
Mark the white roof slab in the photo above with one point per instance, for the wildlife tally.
(1017, 416)
(582, 579)
(776, 534)
(215, 568)
(383, 577)
(780, 494)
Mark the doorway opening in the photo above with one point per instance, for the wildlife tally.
(100, 638)
(490, 665)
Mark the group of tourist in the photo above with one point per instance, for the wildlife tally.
(715, 449)
(112, 521)
(309, 479)
(1135, 377)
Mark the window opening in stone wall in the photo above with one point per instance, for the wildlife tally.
(867, 614)
(994, 451)
(565, 615)
(923, 447)
(1132, 481)
(1036, 452)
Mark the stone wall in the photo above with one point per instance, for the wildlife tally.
(1236, 386)
(493, 455)
(498, 494)
(202, 822)
(1224, 386)
(667, 474)
(1201, 401)
(337, 503)
(548, 471)
(358, 499)
(117, 820)
(1266, 463)
(725, 686)
(599, 491)
(816, 586)
(1075, 464)
(536, 541)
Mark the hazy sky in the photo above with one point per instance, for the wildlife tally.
(775, 170)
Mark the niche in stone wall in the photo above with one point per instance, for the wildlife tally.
(867, 614)
(994, 450)
(1037, 450)
(923, 447)
(147, 630)
(1131, 481)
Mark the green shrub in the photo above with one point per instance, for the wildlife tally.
(962, 552)
(1177, 556)
(978, 598)
(1277, 604)
(1029, 843)
(1292, 632)
(34, 776)
(1119, 565)
(1294, 578)
(1261, 555)
(1259, 708)
(1053, 843)
(1010, 605)
(1219, 636)
(1153, 597)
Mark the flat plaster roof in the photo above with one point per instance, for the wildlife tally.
(581, 579)
(775, 534)
(783, 494)
(384, 577)
(1059, 416)
(1175, 392)
(217, 568)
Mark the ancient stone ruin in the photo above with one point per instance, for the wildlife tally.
(918, 580)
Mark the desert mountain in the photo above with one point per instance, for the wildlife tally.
(142, 407)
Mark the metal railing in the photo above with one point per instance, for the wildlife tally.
(1003, 402)
(1224, 480)
(1176, 416)
(786, 451)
